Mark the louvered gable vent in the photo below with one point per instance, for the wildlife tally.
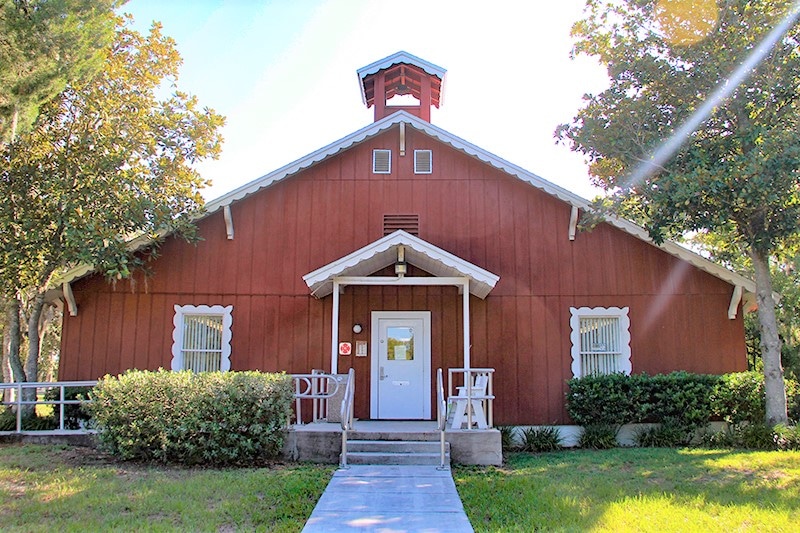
(381, 161)
(423, 161)
(407, 223)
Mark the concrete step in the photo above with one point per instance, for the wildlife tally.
(395, 452)
(394, 435)
(395, 446)
(379, 458)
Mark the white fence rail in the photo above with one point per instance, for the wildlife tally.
(317, 388)
(16, 392)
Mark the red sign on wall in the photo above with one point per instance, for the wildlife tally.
(345, 348)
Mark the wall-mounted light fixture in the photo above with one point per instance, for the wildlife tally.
(357, 328)
(400, 267)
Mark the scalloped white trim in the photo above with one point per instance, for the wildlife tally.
(481, 281)
(177, 331)
(620, 313)
(536, 181)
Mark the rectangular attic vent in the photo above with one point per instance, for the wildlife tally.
(381, 161)
(423, 161)
(407, 223)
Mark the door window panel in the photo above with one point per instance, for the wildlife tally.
(400, 343)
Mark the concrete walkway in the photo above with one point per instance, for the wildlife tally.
(389, 499)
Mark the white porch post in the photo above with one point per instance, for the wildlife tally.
(335, 329)
(465, 318)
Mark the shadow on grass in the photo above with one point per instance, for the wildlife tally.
(634, 489)
(51, 488)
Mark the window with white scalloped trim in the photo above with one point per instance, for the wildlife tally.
(601, 340)
(201, 338)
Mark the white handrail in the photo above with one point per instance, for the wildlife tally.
(317, 387)
(441, 416)
(347, 413)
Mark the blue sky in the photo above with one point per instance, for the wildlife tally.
(283, 72)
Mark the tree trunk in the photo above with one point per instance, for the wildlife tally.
(774, 387)
(32, 364)
(14, 335)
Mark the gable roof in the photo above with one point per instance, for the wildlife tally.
(470, 149)
(383, 252)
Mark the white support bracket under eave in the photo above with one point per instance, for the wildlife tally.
(402, 139)
(72, 306)
(736, 299)
(226, 212)
(573, 223)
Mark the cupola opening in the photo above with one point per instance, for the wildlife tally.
(402, 82)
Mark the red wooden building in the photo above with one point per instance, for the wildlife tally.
(422, 251)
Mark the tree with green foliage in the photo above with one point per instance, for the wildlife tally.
(785, 272)
(736, 172)
(106, 161)
(45, 44)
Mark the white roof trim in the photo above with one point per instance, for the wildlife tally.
(383, 252)
(540, 183)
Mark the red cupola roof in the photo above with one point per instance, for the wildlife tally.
(400, 74)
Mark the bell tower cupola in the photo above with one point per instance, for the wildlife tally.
(402, 74)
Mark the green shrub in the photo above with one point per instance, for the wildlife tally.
(681, 398)
(755, 436)
(507, 438)
(739, 397)
(599, 436)
(214, 418)
(39, 423)
(607, 399)
(541, 439)
(786, 437)
(667, 434)
(719, 439)
(8, 421)
(75, 415)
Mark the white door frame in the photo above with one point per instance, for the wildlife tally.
(425, 316)
(339, 283)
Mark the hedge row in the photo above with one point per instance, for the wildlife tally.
(680, 399)
(231, 418)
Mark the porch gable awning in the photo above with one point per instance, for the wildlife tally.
(383, 253)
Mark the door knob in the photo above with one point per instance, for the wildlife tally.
(382, 376)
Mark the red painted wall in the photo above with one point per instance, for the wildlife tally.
(678, 313)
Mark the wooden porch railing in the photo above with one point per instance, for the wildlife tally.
(475, 394)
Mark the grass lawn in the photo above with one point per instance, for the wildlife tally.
(638, 489)
(59, 488)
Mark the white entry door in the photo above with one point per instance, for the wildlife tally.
(401, 365)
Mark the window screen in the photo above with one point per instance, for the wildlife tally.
(201, 338)
(601, 340)
(202, 343)
(600, 347)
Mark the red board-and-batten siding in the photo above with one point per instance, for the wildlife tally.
(481, 214)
